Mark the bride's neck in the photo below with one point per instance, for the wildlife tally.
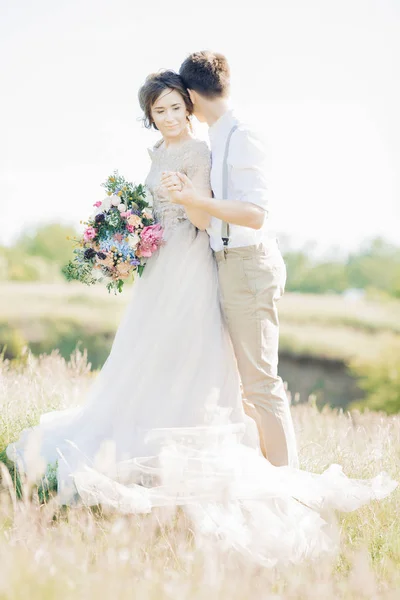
(178, 139)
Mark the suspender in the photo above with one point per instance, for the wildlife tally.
(225, 226)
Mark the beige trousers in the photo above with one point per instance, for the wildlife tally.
(252, 279)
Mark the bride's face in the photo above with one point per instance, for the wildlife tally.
(170, 114)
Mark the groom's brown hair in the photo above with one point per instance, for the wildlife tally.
(207, 73)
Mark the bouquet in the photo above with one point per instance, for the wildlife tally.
(119, 237)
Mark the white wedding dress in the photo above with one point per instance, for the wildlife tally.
(163, 424)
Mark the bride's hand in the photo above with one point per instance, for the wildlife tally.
(172, 185)
(179, 186)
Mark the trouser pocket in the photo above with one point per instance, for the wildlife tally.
(263, 271)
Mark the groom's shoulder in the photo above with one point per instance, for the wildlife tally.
(248, 140)
(249, 128)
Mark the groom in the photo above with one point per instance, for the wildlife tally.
(251, 270)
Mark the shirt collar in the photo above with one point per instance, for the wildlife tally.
(222, 126)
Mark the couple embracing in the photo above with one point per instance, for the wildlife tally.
(225, 193)
(165, 422)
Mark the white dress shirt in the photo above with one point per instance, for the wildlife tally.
(246, 179)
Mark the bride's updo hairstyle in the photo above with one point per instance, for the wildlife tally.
(155, 84)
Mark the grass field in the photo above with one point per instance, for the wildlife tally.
(316, 325)
(46, 554)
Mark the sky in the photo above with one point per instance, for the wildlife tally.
(318, 78)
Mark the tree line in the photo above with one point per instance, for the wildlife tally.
(39, 255)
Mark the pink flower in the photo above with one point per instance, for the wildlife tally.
(150, 240)
(125, 214)
(89, 234)
(97, 204)
(130, 228)
(118, 237)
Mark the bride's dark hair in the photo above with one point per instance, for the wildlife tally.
(152, 88)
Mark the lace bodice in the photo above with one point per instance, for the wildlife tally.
(191, 157)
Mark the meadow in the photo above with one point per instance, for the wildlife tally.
(328, 343)
(321, 325)
(50, 553)
(81, 553)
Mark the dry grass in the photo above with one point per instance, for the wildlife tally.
(48, 554)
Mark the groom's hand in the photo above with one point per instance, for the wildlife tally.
(180, 188)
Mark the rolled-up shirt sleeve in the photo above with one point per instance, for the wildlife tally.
(247, 164)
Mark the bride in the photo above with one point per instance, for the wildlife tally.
(171, 364)
(164, 423)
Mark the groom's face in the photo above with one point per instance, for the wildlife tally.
(197, 102)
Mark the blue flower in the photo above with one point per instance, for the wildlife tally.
(106, 245)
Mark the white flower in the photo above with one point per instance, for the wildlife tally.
(115, 200)
(97, 275)
(99, 209)
(105, 205)
(121, 207)
(134, 240)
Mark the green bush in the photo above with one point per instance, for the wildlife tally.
(63, 334)
(38, 255)
(12, 342)
(376, 266)
(49, 242)
(380, 380)
(66, 334)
